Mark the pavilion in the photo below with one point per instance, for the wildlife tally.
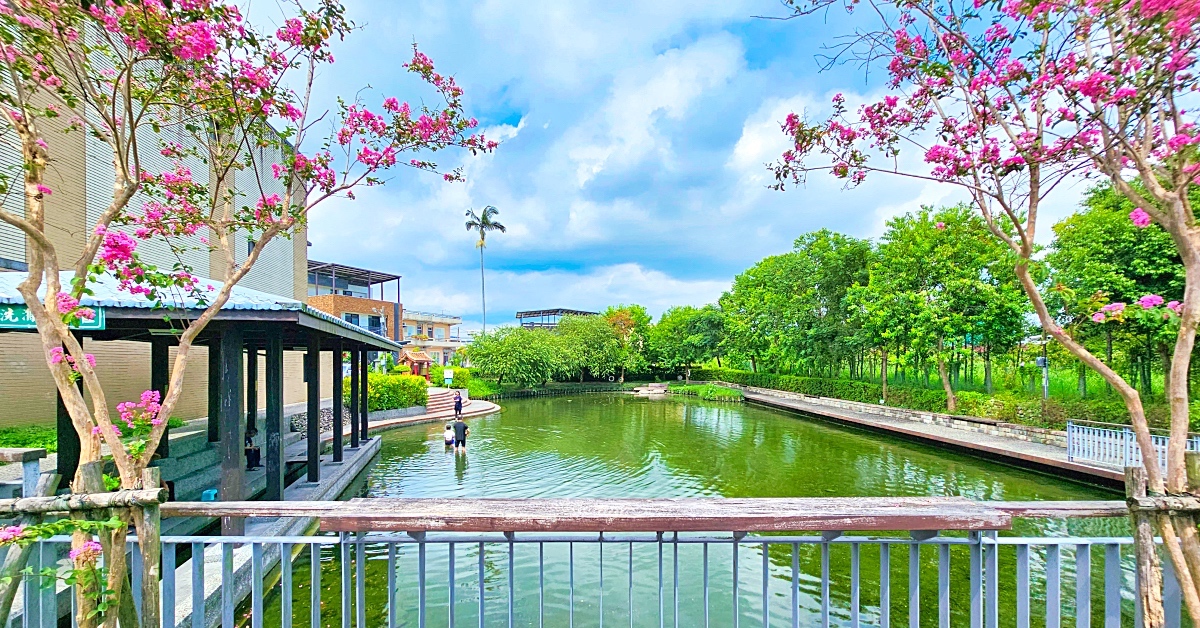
(252, 324)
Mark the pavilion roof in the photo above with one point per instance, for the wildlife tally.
(243, 304)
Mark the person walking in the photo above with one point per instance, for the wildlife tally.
(460, 435)
(458, 405)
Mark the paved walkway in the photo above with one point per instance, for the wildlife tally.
(1047, 458)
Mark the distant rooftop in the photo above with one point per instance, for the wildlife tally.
(352, 273)
(561, 311)
(416, 315)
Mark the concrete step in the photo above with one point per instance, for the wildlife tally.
(187, 441)
(177, 468)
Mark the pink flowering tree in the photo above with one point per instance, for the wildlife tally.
(1010, 99)
(194, 82)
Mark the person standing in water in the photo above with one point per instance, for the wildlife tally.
(460, 435)
(458, 405)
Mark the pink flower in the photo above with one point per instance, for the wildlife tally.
(89, 552)
(66, 303)
(1176, 306)
(1140, 218)
(1098, 317)
(941, 226)
(56, 355)
(43, 190)
(1149, 301)
(10, 533)
(1114, 308)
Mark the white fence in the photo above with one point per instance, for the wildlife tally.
(1115, 445)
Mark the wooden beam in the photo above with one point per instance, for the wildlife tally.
(1065, 510)
(354, 376)
(312, 364)
(232, 486)
(623, 515)
(21, 454)
(362, 402)
(214, 388)
(338, 425)
(160, 376)
(276, 467)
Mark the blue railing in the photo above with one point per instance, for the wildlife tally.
(1115, 445)
(975, 578)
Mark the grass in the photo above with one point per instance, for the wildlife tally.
(45, 436)
(707, 392)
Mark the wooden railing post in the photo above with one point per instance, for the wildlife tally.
(1149, 568)
(18, 555)
(149, 523)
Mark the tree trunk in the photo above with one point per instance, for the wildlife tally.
(987, 370)
(883, 370)
(753, 365)
(482, 287)
(951, 399)
(1108, 352)
(1082, 371)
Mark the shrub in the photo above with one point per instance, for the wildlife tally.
(707, 392)
(1002, 406)
(390, 392)
(462, 376)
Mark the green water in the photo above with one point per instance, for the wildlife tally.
(624, 446)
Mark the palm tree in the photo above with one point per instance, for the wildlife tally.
(483, 223)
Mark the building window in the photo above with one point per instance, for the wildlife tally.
(439, 333)
(409, 331)
(375, 324)
(351, 318)
(249, 246)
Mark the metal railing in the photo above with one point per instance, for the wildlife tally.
(669, 579)
(975, 578)
(1115, 445)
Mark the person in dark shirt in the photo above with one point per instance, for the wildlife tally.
(458, 405)
(460, 435)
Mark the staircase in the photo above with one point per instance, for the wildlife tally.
(441, 400)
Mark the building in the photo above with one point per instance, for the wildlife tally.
(349, 293)
(355, 295)
(547, 319)
(435, 334)
(81, 175)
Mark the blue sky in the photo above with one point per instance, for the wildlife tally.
(632, 165)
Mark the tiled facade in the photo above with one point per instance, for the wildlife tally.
(371, 314)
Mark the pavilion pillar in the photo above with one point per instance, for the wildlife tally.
(214, 388)
(362, 402)
(276, 462)
(160, 375)
(69, 446)
(232, 485)
(251, 390)
(354, 387)
(339, 425)
(312, 367)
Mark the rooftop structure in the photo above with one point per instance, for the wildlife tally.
(348, 293)
(435, 334)
(548, 319)
(351, 281)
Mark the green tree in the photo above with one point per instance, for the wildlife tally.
(524, 357)
(589, 346)
(631, 324)
(686, 335)
(483, 223)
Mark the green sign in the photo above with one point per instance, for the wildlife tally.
(16, 316)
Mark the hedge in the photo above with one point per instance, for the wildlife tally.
(390, 392)
(1001, 406)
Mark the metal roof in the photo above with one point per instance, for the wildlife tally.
(107, 294)
(561, 311)
(430, 316)
(364, 275)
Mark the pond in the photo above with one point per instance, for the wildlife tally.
(610, 445)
